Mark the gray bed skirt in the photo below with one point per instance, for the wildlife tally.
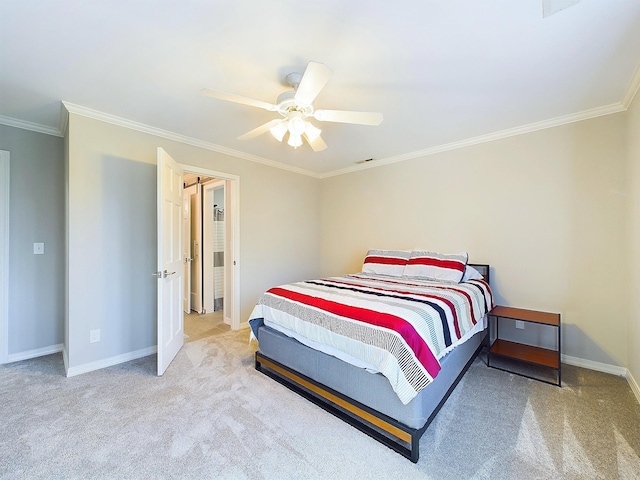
(371, 393)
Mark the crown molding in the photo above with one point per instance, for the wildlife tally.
(63, 123)
(511, 132)
(632, 89)
(140, 127)
(34, 127)
(67, 107)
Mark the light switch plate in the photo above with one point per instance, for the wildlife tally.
(38, 248)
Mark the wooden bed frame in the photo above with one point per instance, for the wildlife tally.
(392, 433)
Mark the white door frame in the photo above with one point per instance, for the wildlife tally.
(4, 255)
(195, 249)
(232, 261)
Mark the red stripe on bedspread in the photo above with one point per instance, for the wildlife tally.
(421, 350)
(468, 297)
(447, 287)
(452, 308)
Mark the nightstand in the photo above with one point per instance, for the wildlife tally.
(526, 353)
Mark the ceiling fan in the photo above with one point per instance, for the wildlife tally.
(296, 108)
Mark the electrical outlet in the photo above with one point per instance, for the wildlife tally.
(520, 324)
(94, 335)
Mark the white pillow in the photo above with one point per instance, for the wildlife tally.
(436, 266)
(471, 273)
(386, 262)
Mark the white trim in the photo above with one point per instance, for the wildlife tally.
(34, 127)
(63, 123)
(632, 89)
(511, 132)
(234, 192)
(597, 366)
(532, 127)
(634, 385)
(36, 352)
(140, 127)
(111, 361)
(5, 184)
(605, 368)
(65, 359)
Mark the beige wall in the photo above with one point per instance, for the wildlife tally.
(547, 210)
(633, 152)
(111, 233)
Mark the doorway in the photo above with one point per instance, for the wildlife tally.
(170, 255)
(210, 240)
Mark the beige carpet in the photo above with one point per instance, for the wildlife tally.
(213, 416)
(198, 326)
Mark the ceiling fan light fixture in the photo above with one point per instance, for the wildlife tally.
(296, 107)
(297, 125)
(279, 130)
(294, 140)
(312, 132)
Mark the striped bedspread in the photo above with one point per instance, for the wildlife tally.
(398, 327)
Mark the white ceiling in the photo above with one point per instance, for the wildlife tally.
(441, 71)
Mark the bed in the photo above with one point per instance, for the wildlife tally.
(381, 349)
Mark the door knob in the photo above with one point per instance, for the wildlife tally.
(164, 274)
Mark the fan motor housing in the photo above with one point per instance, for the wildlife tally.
(287, 103)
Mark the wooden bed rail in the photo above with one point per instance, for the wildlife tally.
(383, 428)
(395, 435)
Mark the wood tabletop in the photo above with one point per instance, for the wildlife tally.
(526, 315)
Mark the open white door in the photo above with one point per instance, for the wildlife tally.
(170, 290)
(212, 245)
(186, 252)
(196, 250)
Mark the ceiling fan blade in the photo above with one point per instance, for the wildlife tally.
(318, 144)
(313, 81)
(231, 97)
(260, 130)
(344, 116)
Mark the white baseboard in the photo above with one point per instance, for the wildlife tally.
(37, 352)
(111, 361)
(605, 368)
(634, 385)
(597, 366)
(126, 357)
